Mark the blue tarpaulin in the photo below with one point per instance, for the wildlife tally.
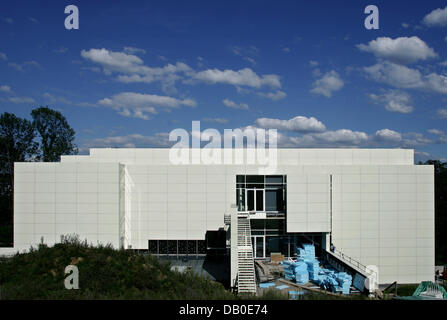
(307, 267)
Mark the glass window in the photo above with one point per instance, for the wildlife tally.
(153, 246)
(250, 200)
(240, 181)
(201, 247)
(172, 247)
(182, 247)
(240, 178)
(271, 200)
(259, 200)
(257, 224)
(192, 247)
(274, 200)
(255, 179)
(274, 224)
(255, 182)
(272, 244)
(162, 247)
(240, 199)
(274, 179)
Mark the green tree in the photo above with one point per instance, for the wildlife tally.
(440, 210)
(57, 137)
(17, 144)
(440, 169)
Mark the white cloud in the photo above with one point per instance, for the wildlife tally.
(138, 105)
(133, 50)
(52, 99)
(129, 141)
(435, 132)
(442, 113)
(20, 100)
(114, 61)
(437, 17)
(342, 136)
(424, 156)
(5, 88)
(401, 50)
(278, 95)
(387, 135)
(241, 51)
(3, 56)
(415, 139)
(231, 104)
(395, 101)
(242, 77)
(436, 82)
(61, 50)
(396, 75)
(313, 63)
(298, 124)
(131, 68)
(216, 120)
(251, 60)
(348, 138)
(400, 76)
(329, 83)
(24, 66)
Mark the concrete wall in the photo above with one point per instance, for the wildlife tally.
(54, 199)
(384, 215)
(308, 202)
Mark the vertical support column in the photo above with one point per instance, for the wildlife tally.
(233, 247)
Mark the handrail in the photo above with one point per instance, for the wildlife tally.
(354, 262)
(391, 285)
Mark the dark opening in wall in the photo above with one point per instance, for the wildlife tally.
(216, 240)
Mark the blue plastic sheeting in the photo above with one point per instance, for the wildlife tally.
(281, 287)
(296, 271)
(308, 268)
(266, 285)
(294, 294)
(359, 282)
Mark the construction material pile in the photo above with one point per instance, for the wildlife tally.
(335, 281)
(296, 271)
(307, 267)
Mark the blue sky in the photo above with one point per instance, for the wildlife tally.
(136, 70)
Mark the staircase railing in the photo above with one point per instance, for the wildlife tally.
(353, 262)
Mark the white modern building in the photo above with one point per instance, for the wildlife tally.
(374, 205)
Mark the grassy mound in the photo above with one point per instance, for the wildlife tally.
(104, 273)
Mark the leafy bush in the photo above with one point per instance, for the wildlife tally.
(104, 273)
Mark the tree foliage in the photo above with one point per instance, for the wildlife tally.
(16, 144)
(45, 138)
(440, 210)
(56, 135)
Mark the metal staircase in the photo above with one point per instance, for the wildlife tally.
(246, 278)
